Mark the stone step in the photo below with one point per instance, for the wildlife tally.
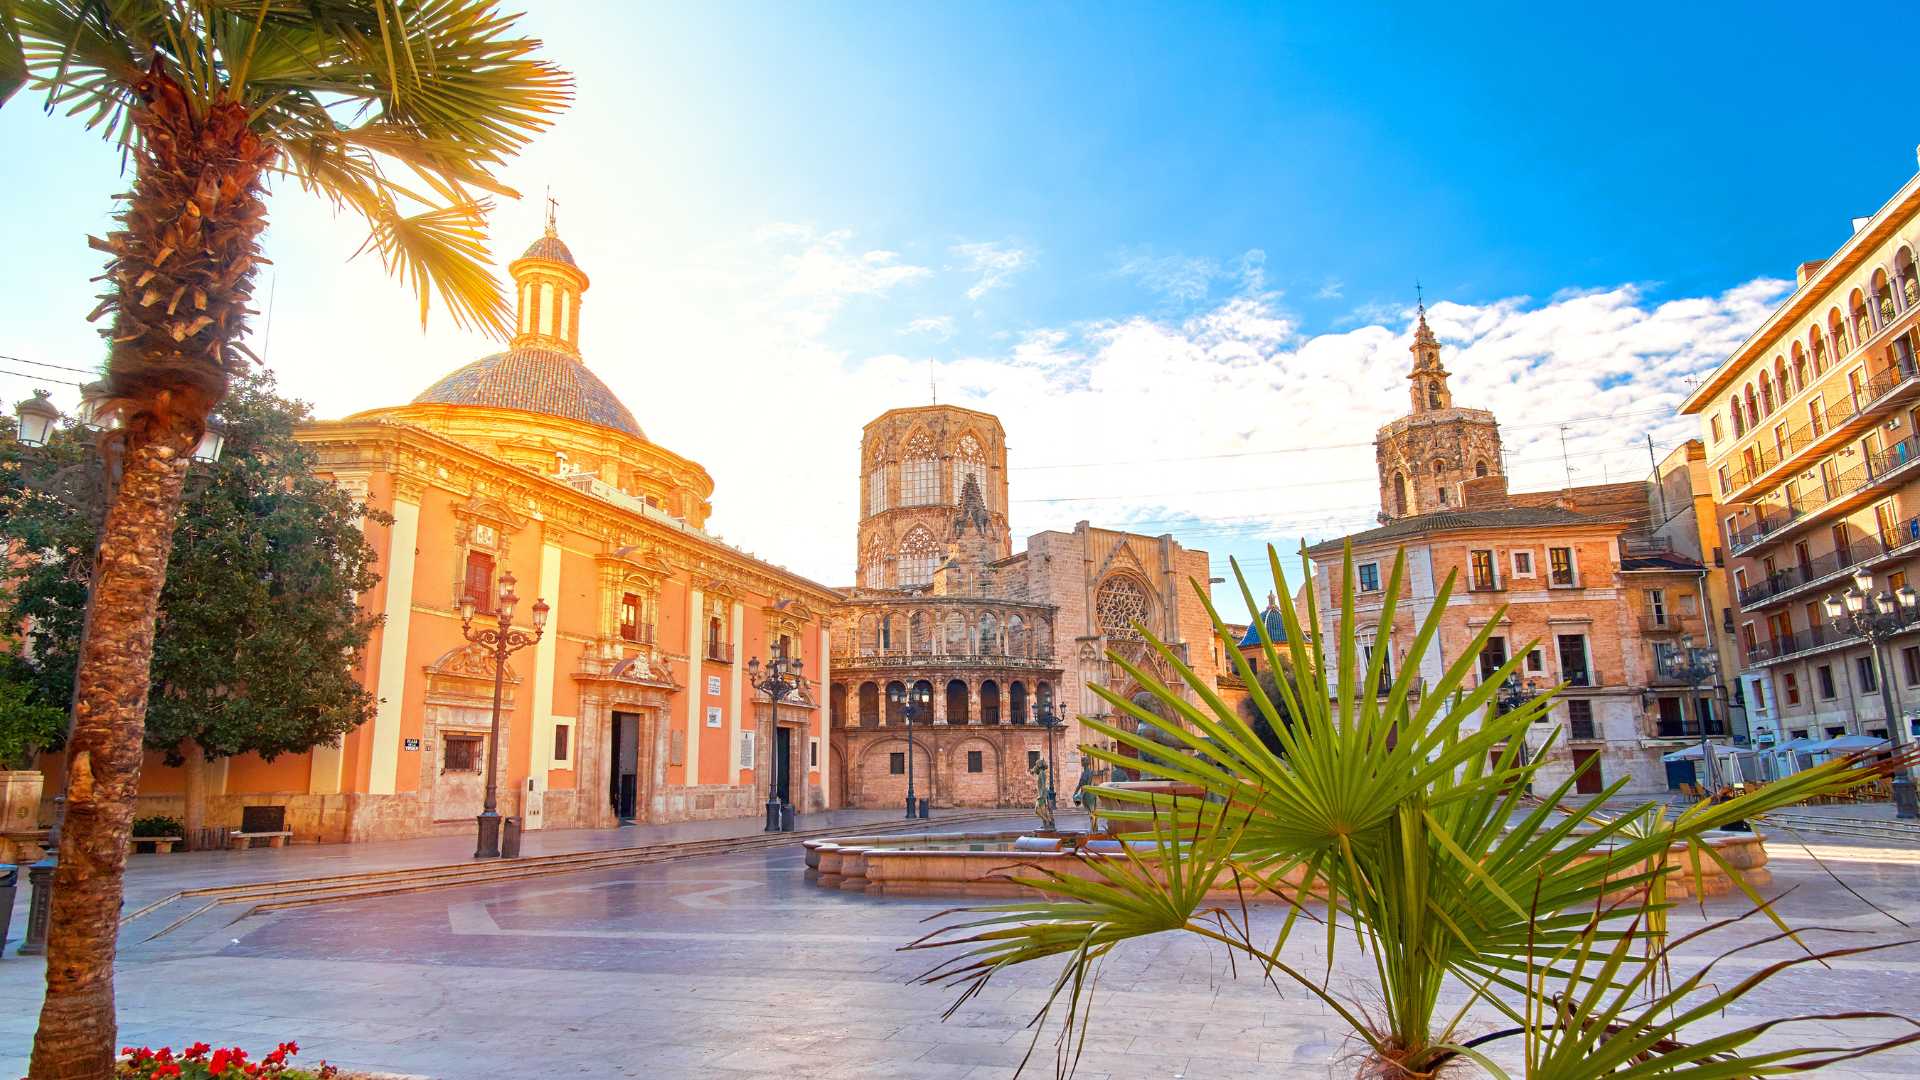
(188, 905)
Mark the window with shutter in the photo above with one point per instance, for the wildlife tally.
(480, 580)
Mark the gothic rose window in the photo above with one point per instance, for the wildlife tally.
(1120, 603)
(969, 460)
(919, 473)
(917, 557)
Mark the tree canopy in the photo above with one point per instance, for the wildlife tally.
(259, 636)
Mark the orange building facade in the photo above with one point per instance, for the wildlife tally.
(635, 703)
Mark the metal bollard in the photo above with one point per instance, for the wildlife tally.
(39, 906)
(786, 817)
(9, 882)
(510, 839)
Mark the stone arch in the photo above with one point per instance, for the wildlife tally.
(989, 702)
(837, 705)
(869, 704)
(959, 705)
(969, 453)
(919, 470)
(1121, 601)
(923, 691)
(1399, 493)
(1780, 391)
(989, 635)
(919, 554)
(1799, 369)
(1017, 702)
(879, 786)
(1479, 467)
(1837, 333)
(966, 787)
(896, 703)
(1017, 635)
(1905, 273)
(955, 639)
(1817, 342)
(920, 634)
(1862, 323)
(1880, 287)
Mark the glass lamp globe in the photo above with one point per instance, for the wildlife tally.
(36, 417)
(1863, 581)
(1832, 604)
(540, 610)
(212, 440)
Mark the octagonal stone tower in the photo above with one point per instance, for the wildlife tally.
(915, 465)
(1426, 457)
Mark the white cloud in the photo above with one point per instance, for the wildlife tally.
(993, 263)
(1333, 289)
(1184, 278)
(937, 327)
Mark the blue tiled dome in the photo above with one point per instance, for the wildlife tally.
(1276, 628)
(535, 380)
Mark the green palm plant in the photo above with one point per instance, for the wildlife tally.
(399, 111)
(1403, 812)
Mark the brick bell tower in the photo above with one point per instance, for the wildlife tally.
(929, 476)
(1426, 457)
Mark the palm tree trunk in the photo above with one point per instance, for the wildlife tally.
(76, 1036)
(182, 274)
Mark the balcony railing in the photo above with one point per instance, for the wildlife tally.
(638, 633)
(1659, 624)
(1581, 731)
(720, 651)
(1865, 549)
(1875, 469)
(1769, 454)
(1797, 641)
(1579, 677)
(1688, 729)
(875, 658)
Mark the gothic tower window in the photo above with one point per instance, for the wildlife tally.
(1399, 493)
(918, 554)
(1119, 604)
(1480, 468)
(919, 475)
(876, 487)
(969, 460)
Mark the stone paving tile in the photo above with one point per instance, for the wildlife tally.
(734, 967)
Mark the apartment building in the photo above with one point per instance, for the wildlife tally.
(1810, 428)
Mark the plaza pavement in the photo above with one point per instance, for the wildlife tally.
(735, 966)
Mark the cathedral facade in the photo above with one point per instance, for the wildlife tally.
(634, 705)
(979, 641)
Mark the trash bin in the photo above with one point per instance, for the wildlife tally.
(510, 838)
(786, 817)
(9, 883)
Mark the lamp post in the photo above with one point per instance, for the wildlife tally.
(1878, 616)
(1695, 667)
(782, 679)
(501, 641)
(35, 419)
(1512, 695)
(918, 698)
(1050, 722)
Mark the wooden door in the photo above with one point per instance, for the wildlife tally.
(1590, 782)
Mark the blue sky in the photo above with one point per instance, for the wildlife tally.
(1181, 238)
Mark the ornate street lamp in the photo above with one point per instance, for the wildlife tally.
(1512, 695)
(36, 417)
(918, 698)
(1050, 722)
(211, 440)
(783, 679)
(501, 641)
(1696, 668)
(1878, 616)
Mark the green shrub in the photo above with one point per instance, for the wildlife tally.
(158, 825)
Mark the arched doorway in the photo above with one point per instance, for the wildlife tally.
(1017, 702)
(956, 701)
(869, 704)
(837, 705)
(896, 703)
(990, 702)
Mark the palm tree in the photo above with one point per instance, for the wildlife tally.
(400, 111)
(1407, 819)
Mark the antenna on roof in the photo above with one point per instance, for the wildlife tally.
(933, 381)
(1564, 459)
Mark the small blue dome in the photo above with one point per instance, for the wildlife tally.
(1276, 627)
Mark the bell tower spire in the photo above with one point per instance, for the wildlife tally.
(1429, 379)
(547, 284)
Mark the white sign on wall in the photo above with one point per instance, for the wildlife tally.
(713, 716)
(746, 749)
(713, 686)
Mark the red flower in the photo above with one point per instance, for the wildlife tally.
(168, 1070)
(290, 1046)
(221, 1059)
(197, 1051)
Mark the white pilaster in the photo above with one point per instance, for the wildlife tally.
(545, 655)
(736, 704)
(825, 697)
(696, 683)
(384, 739)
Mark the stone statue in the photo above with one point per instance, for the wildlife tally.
(1042, 792)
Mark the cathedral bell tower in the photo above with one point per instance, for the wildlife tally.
(1427, 458)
